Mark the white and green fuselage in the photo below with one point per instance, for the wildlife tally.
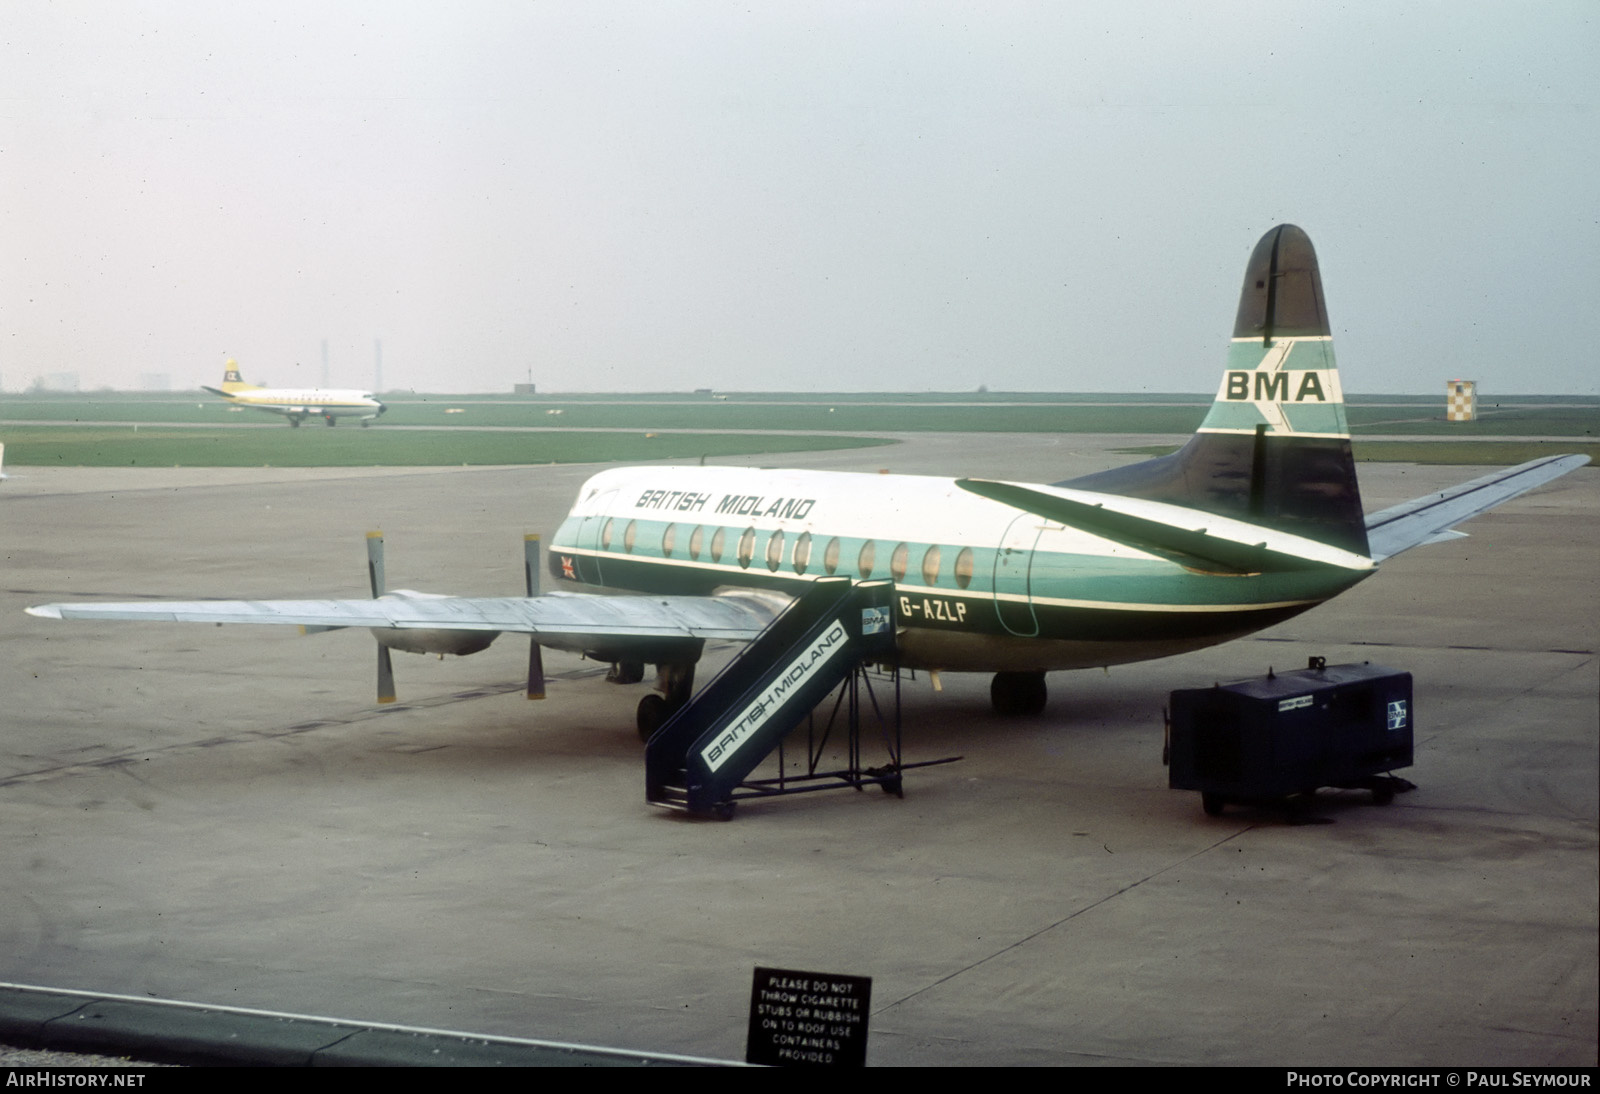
(1256, 519)
(981, 585)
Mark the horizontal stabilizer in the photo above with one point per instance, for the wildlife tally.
(1428, 519)
(1199, 541)
(707, 617)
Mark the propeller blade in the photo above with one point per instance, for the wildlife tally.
(535, 671)
(378, 581)
(375, 564)
(385, 676)
(530, 575)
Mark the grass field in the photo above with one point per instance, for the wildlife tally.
(106, 429)
(155, 446)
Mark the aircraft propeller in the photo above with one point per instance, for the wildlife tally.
(446, 642)
(375, 577)
(530, 570)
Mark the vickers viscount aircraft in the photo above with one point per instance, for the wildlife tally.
(1256, 519)
(297, 404)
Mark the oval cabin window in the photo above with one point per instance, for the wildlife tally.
(867, 559)
(897, 562)
(964, 567)
(802, 552)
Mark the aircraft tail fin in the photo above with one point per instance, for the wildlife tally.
(1274, 450)
(233, 380)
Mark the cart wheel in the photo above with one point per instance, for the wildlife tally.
(723, 811)
(892, 786)
(1382, 794)
(1212, 803)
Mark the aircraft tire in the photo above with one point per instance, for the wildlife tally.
(651, 715)
(1211, 803)
(294, 423)
(625, 672)
(1018, 694)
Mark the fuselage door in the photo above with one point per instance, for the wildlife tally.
(1013, 569)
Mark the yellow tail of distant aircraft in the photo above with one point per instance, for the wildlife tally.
(298, 404)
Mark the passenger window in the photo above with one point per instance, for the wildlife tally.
(718, 540)
(867, 559)
(605, 535)
(669, 539)
(964, 567)
(747, 548)
(930, 566)
(697, 539)
(802, 552)
(629, 534)
(897, 562)
(830, 556)
(774, 551)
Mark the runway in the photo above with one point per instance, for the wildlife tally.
(223, 815)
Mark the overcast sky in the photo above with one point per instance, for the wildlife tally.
(850, 195)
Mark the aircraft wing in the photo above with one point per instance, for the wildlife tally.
(1430, 518)
(731, 616)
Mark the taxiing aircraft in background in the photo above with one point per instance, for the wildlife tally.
(1256, 519)
(298, 404)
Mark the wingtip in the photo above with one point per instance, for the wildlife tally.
(44, 611)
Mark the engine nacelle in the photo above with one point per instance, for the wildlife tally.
(424, 640)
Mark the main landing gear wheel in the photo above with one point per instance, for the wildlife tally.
(653, 712)
(1018, 693)
(625, 672)
(294, 423)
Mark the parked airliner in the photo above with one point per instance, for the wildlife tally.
(1256, 519)
(297, 404)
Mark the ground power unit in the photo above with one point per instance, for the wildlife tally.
(1265, 739)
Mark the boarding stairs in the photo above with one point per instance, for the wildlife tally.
(700, 760)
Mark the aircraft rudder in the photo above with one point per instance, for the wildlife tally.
(1274, 448)
(1281, 372)
(233, 379)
